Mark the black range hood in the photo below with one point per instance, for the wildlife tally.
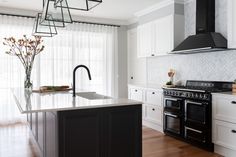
(206, 39)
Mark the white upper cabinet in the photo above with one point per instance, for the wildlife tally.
(146, 39)
(231, 24)
(159, 37)
(164, 35)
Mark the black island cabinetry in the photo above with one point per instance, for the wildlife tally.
(95, 132)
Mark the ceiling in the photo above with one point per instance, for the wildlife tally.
(111, 9)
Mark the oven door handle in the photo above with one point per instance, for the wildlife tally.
(171, 115)
(173, 99)
(192, 102)
(198, 131)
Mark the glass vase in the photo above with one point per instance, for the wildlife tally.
(28, 85)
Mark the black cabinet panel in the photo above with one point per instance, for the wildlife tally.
(79, 133)
(124, 133)
(102, 132)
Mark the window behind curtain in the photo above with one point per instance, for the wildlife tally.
(91, 45)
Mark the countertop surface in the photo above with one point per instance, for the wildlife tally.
(61, 101)
(149, 86)
(225, 93)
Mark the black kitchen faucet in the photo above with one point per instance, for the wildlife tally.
(74, 72)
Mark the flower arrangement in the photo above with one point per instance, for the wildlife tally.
(25, 49)
(171, 74)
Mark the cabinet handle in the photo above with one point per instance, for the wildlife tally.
(153, 92)
(153, 109)
(233, 102)
(233, 131)
(152, 55)
(136, 90)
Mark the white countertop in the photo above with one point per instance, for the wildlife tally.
(60, 101)
(149, 86)
(225, 93)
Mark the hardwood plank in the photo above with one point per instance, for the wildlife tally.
(15, 141)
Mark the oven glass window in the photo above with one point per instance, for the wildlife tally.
(196, 113)
(173, 124)
(172, 104)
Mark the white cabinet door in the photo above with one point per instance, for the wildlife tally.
(231, 23)
(146, 36)
(154, 97)
(224, 108)
(136, 94)
(224, 134)
(164, 35)
(136, 66)
(153, 114)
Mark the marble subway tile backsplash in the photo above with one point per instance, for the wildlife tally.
(217, 66)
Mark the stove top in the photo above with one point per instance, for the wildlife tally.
(200, 90)
(205, 86)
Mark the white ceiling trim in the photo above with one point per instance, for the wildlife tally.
(188, 1)
(158, 6)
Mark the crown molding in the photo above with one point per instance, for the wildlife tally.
(157, 6)
(188, 1)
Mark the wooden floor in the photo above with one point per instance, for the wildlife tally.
(155, 144)
(15, 142)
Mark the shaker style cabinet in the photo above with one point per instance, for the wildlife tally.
(224, 124)
(146, 40)
(152, 109)
(159, 37)
(95, 132)
(231, 23)
(136, 66)
(164, 35)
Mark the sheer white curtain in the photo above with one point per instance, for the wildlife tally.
(92, 45)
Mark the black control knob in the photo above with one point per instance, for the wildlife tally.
(191, 95)
(205, 96)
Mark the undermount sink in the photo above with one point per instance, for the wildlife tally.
(92, 96)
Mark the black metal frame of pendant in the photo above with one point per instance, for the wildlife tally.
(87, 4)
(62, 7)
(51, 27)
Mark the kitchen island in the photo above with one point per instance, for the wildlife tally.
(88, 125)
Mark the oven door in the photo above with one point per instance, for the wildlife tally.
(173, 124)
(173, 104)
(194, 135)
(196, 112)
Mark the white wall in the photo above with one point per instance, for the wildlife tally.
(122, 62)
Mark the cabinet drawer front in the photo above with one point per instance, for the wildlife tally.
(224, 108)
(136, 94)
(154, 98)
(225, 134)
(154, 114)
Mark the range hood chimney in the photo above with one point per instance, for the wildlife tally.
(206, 39)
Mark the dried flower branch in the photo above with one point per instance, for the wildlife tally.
(25, 49)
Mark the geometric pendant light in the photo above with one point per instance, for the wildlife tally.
(58, 10)
(84, 5)
(43, 30)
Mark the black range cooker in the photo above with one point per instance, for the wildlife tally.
(188, 111)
